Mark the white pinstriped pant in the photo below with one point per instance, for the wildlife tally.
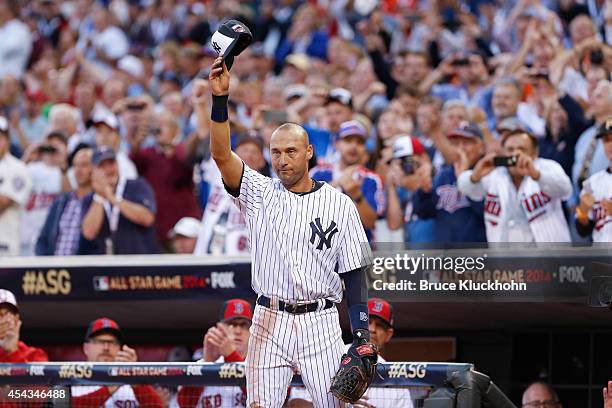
(281, 342)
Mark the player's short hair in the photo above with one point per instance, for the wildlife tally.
(546, 386)
(293, 128)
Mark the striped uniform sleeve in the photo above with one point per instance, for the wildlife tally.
(248, 196)
(353, 245)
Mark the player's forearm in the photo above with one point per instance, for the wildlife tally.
(228, 162)
(92, 222)
(356, 292)
(220, 148)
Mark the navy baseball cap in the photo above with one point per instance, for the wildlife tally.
(605, 128)
(236, 309)
(103, 325)
(231, 38)
(103, 153)
(467, 130)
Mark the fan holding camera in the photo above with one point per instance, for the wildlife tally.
(457, 218)
(410, 169)
(522, 193)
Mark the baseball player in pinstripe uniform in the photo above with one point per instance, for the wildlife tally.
(594, 213)
(306, 239)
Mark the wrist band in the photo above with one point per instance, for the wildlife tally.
(219, 112)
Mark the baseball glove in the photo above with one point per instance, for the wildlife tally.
(357, 369)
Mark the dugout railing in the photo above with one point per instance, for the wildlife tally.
(434, 385)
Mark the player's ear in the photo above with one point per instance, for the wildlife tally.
(309, 152)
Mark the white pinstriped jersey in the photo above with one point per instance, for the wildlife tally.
(600, 184)
(300, 243)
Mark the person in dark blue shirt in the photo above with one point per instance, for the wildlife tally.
(457, 218)
(119, 214)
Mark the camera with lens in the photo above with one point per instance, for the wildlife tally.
(409, 165)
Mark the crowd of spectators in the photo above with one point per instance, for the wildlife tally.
(411, 107)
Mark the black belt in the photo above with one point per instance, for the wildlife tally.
(292, 307)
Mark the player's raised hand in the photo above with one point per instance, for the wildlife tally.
(126, 354)
(219, 77)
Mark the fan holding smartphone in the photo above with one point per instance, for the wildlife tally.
(522, 192)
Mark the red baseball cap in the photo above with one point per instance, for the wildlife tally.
(236, 309)
(103, 325)
(381, 309)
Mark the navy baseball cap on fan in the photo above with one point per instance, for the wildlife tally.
(236, 309)
(381, 309)
(103, 153)
(103, 325)
(467, 130)
(231, 38)
(605, 128)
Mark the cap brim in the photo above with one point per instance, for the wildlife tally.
(602, 134)
(10, 306)
(108, 330)
(224, 42)
(230, 319)
(463, 134)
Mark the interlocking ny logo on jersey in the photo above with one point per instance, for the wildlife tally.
(325, 236)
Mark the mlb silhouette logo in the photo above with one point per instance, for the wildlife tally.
(238, 28)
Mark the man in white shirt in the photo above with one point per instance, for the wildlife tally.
(15, 186)
(523, 195)
(46, 164)
(15, 43)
